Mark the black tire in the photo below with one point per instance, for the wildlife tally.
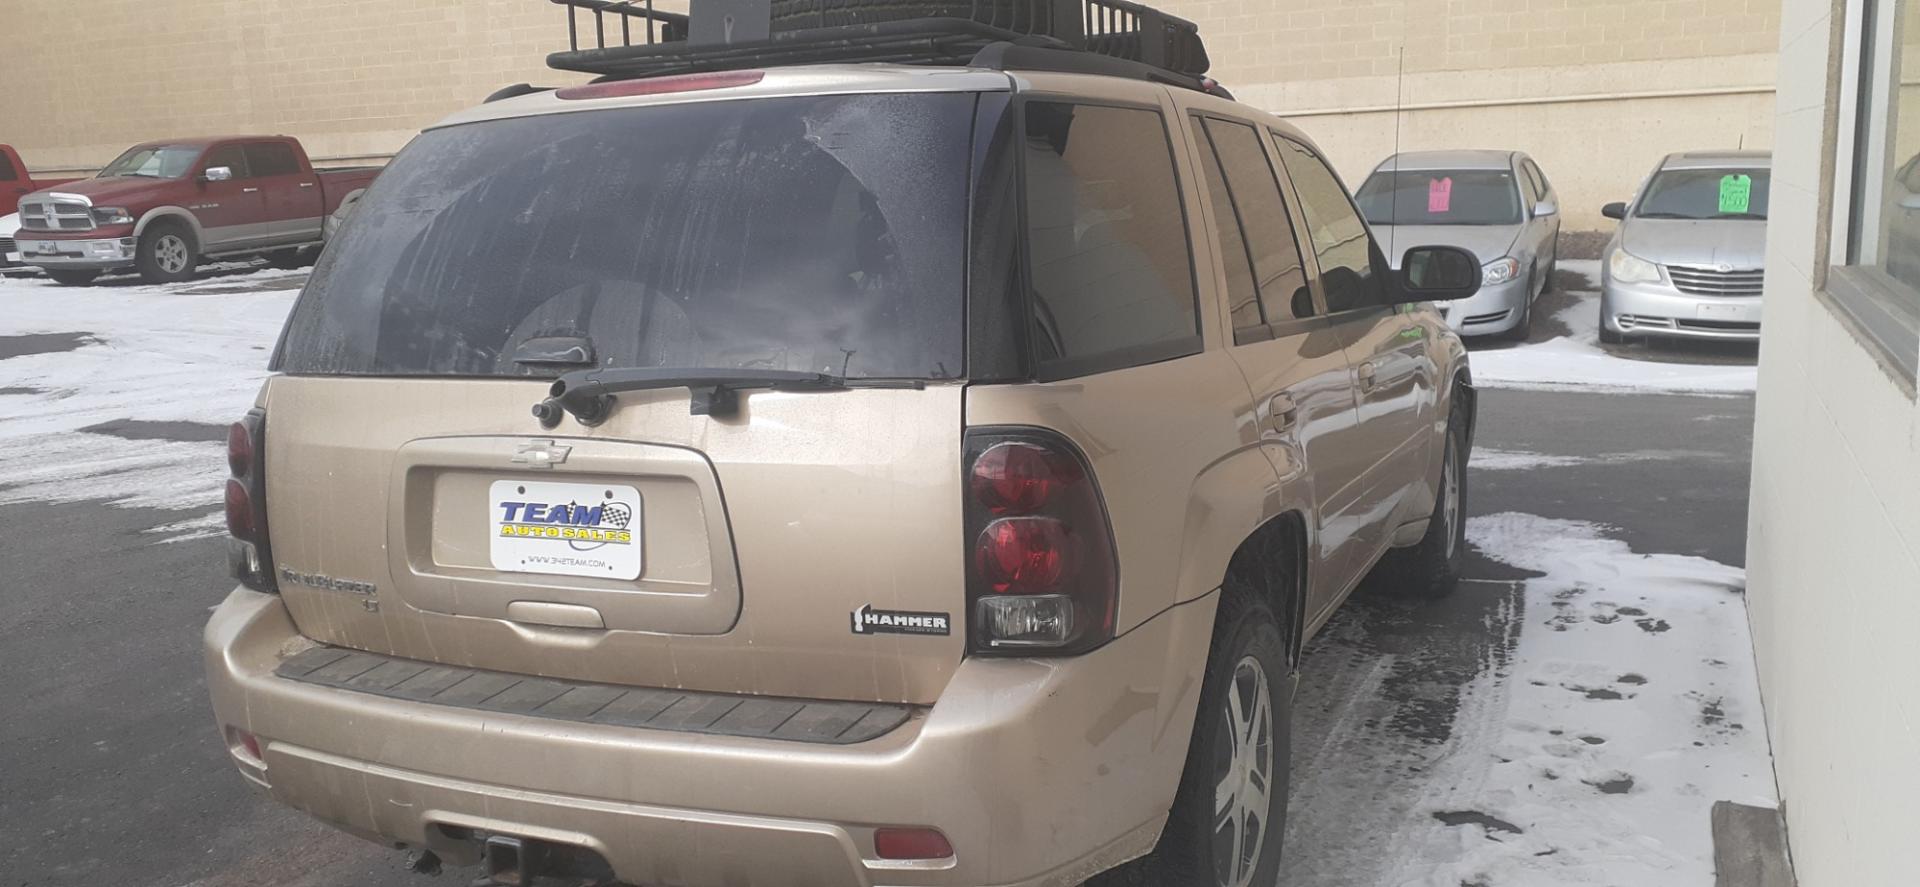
(293, 257)
(1430, 569)
(72, 277)
(1524, 327)
(167, 253)
(1248, 651)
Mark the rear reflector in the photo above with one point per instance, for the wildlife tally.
(911, 843)
(661, 85)
(247, 744)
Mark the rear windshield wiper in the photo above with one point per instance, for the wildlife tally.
(588, 394)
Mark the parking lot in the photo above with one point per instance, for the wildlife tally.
(1566, 718)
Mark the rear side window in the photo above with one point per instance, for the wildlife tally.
(1243, 298)
(1278, 269)
(1110, 267)
(816, 234)
(232, 157)
(271, 159)
(1340, 238)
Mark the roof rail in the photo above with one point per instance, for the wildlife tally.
(630, 38)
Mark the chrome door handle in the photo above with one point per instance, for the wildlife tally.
(1368, 372)
(1282, 411)
(248, 190)
(306, 184)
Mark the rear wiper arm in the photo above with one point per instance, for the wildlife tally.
(588, 394)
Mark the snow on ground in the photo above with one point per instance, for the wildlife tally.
(193, 352)
(1592, 751)
(1576, 360)
(1496, 459)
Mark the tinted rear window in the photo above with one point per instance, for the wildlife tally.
(818, 234)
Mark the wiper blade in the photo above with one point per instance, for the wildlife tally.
(1662, 215)
(588, 394)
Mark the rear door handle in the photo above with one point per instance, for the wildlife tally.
(306, 184)
(1368, 372)
(1282, 412)
(248, 190)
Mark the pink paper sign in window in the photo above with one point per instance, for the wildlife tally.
(1439, 194)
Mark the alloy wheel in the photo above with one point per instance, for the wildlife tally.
(1450, 506)
(1243, 770)
(170, 253)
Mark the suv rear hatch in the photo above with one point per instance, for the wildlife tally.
(418, 508)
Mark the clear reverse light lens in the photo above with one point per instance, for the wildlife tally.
(1044, 620)
(1499, 270)
(1629, 268)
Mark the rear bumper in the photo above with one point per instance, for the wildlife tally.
(83, 254)
(1038, 771)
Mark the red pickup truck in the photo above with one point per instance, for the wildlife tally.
(163, 207)
(16, 181)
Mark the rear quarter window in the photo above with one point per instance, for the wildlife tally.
(1110, 266)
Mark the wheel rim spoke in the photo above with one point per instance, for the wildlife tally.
(1243, 796)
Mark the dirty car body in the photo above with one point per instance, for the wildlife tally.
(897, 447)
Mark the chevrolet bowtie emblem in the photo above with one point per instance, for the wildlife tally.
(541, 454)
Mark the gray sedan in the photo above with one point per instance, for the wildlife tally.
(1495, 204)
(1687, 259)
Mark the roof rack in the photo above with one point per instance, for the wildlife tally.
(630, 38)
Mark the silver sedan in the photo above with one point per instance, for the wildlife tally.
(1687, 260)
(1496, 204)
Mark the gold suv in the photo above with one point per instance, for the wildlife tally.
(848, 474)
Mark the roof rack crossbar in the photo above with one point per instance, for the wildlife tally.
(731, 34)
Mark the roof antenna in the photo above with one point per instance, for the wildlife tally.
(1399, 101)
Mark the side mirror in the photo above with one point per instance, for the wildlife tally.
(1545, 208)
(1614, 210)
(1439, 274)
(217, 174)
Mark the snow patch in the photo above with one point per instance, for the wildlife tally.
(195, 352)
(1630, 706)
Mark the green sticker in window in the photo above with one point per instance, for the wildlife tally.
(1736, 193)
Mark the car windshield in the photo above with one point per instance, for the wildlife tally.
(154, 162)
(821, 234)
(1440, 197)
(1706, 194)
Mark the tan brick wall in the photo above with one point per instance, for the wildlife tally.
(354, 77)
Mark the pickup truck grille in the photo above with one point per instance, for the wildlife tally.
(1715, 282)
(56, 215)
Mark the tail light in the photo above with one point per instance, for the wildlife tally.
(248, 557)
(1041, 576)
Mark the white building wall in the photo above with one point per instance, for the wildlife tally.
(1833, 547)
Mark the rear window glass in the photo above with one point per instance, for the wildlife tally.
(1706, 194)
(1440, 197)
(1107, 235)
(271, 159)
(816, 234)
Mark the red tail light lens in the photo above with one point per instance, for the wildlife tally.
(911, 843)
(1015, 477)
(239, 511)
(248, 557)
(1041, 573)
(662, 85)
(1022, 555)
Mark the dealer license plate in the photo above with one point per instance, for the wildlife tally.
(565, 529)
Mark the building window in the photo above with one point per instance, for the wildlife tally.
(1880, 285)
